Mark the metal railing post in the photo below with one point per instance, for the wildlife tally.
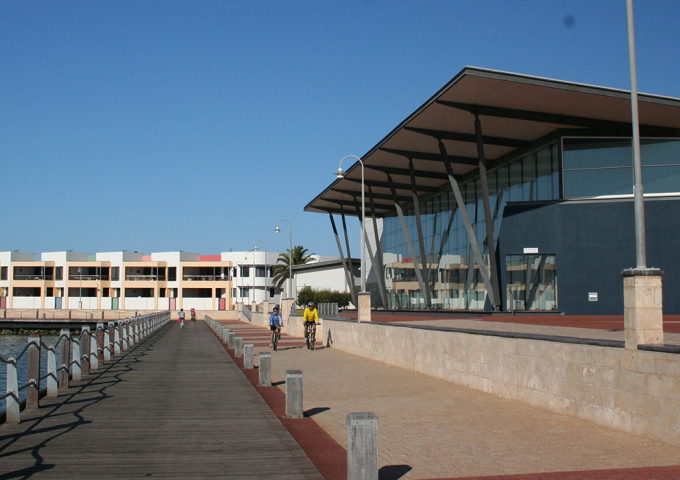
(33, 373)
(64, 357)
(76, 371)
(12, 414)
(52, 387)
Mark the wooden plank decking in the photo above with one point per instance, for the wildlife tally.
(174, 406)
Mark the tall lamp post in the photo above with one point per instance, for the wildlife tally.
(265, 265)
(246, 258)
(80, 295)
(341, 174)
(290, 254)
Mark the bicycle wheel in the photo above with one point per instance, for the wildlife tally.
(312, 337)
(276, 340)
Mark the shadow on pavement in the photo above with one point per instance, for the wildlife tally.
(393, 472)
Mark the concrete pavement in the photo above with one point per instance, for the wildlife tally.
(430, 428)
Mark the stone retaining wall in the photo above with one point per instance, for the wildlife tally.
(631, 390)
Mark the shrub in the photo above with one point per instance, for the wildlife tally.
(308, 294)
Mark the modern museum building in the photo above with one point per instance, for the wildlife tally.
(508, 192)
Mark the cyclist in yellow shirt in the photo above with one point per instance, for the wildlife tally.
(310, 318)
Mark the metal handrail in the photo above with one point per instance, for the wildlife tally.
(136, 330)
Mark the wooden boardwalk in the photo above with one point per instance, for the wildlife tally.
(174, 406)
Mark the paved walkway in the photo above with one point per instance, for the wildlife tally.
(174, 406)
(430, 428)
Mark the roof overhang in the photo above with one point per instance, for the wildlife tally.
(517, 113)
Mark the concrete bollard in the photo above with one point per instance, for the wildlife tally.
(265, 369)
(33, 373)
(94, 358)
(85, 350)
(64, 357)
(362, 446)
(107, 343)
(294, 394)
(76, 374)
(230, 340)
(225, 335)
(12, 407)
(100, 343)
(52, 388)
(116, 340)
(238, 347)
(248, 355)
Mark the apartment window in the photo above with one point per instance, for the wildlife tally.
(115, 273)
(272, 292)
(172, 274)
(3, 273)
(259, 272)
(245, 271)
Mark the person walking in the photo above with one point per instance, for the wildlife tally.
(193, 317)
(275, 323)
(181, 318)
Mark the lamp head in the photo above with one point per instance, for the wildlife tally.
(255, 249)
(277, 229)
(340, 173)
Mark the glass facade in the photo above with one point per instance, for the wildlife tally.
(590, 168)
(603, 166)
(453, 275)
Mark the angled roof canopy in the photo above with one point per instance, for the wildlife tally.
(516, 112)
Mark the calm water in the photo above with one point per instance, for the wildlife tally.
(11, 346)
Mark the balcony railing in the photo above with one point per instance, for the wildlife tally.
(88, 277)
(33, 277)
(206, 278)
(144, 278)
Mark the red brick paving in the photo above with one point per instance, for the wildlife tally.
(646, 473)
(326, 454)
(671, 323)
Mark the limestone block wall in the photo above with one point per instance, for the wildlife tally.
(631, 390)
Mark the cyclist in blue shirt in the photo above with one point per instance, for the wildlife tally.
(275, 323)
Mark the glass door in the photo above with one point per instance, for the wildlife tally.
(532, 282)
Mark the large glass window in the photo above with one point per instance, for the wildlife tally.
(595, 167)
(455, 280)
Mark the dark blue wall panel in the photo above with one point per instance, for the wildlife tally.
(594, 241)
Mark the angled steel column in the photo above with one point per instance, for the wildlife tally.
(468, 226)
(487, 213)
(378, 249)
(404, 227)
(348, 273)
(421, 241)
(374, 263)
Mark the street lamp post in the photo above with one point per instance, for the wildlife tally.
(265, 265)
(80, 295)
(290, 254)
(246, 258)
(341, 174)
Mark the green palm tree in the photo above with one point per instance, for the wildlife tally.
(281, 270)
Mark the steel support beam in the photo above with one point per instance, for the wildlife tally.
(421, 240)
(348, 273)
(488, 220)
(431, 157)
(374, 264)
(558, 119)
(471, 138)
(398, 186)
(407, 236)
(468, 226)
(379, 196)
(378, 250)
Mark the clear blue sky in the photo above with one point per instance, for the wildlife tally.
(197, 126)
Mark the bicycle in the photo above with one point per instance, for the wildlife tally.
(310, 336)
(275, 341)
